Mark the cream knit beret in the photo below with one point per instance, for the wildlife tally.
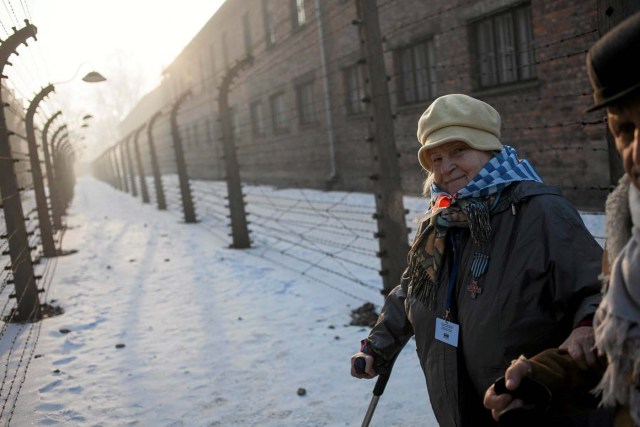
(458, 117)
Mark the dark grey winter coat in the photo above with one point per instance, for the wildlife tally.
(541, 281)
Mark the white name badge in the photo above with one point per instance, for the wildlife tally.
(447, 332)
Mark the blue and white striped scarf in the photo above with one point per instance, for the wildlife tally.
(503, 169)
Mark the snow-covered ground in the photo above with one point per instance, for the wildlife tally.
(166, 326)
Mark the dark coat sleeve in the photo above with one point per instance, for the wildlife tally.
(393, 329)
(575, 259)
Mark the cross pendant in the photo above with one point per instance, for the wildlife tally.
(474, 289)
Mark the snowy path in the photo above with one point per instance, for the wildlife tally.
(212, 336)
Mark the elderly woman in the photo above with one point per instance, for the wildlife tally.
(501, 265)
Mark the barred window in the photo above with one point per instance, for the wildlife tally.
(298, 17)
(354, 90)
(257, 118)
(504, 48)
(269, 29)
(196, 134)
(213, 61)
(225, 51)
(246, 25)
(305, 96)
(278, 112)
(209, 131)
(416, 65)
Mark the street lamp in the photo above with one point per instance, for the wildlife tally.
(90, 77)
(94, 77)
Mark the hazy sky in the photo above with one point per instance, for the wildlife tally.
(128, 41)
(147, 33)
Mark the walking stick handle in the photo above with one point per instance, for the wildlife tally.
(359, 364)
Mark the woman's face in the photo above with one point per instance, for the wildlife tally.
(454, 164)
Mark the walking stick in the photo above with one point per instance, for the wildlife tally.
(378, 389)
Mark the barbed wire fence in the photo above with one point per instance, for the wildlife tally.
(288, 150)
(28, 248)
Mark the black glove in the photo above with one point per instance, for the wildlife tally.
(536, 398)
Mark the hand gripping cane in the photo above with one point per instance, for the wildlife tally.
(378, 389)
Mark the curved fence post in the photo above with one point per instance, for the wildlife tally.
(46, 233)
(66, 158)
(143, 183)
(183, 176)
(51, 181)
(239, 229)
(123, 166)
(113, 151)
(155, 167)
(110, 167)
(24, 279)
(132, 174)
(56, 197)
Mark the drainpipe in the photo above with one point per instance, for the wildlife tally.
(327, 101)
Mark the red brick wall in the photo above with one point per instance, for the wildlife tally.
(542, 119)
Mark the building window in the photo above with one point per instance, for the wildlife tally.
(504, 47)
(305, 96)
(188, 139)
(278, 112)
(257, 118)
(354, 90)
(298, 17)
(213, 64)
(247, 34)
(417, 72)
(235, 120)
(196, 134)
(269, 30)
(203, 72)
(209, 131)
(225, 51)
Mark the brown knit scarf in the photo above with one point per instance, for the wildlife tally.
(428, 248)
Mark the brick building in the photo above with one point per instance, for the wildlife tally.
(297, 110)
